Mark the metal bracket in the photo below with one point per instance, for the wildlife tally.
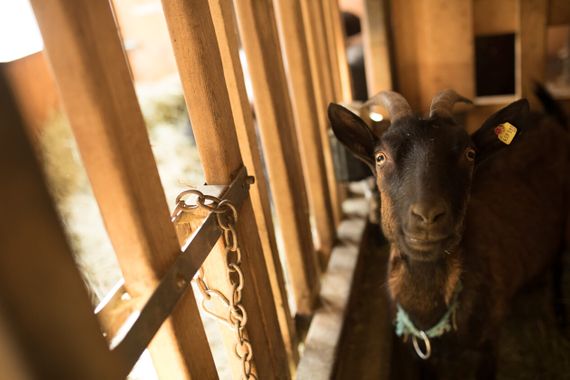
(138, 333)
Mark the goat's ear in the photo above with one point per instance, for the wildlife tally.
(486, 138)
(353, 133)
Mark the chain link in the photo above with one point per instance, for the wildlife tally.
(236, 318)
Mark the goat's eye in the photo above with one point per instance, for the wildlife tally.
(470, 154)
(380, 158)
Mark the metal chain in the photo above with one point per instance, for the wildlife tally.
(236, 319)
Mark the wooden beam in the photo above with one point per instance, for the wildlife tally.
(200, 64)
(323, 90)
(256, 21)
(294, 47)
(226, 31)
(495, 17)
(558, 12)
(532, 44)
(376, 46)
(432, 55)
(336, 37)
(44, 300)
(89, 64)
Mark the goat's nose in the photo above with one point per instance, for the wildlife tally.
(428, 212)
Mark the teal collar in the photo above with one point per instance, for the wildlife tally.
(405, 327)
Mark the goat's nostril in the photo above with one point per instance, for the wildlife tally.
(427, 213)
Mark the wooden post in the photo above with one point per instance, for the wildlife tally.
(90, 67)
(336, 41)
(532, 44)
(44, 301)
(226, 31)
(324, 92)
(258, 31)
(376, 46)
(200, 65)
(294, 46)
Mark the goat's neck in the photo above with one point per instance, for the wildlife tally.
(423, 289)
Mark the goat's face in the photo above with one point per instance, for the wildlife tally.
(423, 169)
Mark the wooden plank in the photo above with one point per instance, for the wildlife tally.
(294, 48)
(226, 31)
(323, 338)
(558, 12)
(324, 92)
(532, 45)
(495, 16)
(376, 46)
(44, 300)
(423, 44)
(335, 28)
(198, 57)
(256, 21)
(89, 64)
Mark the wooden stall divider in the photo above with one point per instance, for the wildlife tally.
(44, 300)
(89, 64)
(200, 65)
(226, 31)
(376, 46)
(324, 94)
(336, 40)
(294, 48)
(256, 21)
(533, 16)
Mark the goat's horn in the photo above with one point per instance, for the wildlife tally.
(442, 103)
(394, 103)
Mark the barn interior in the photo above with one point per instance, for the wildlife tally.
(142, 139)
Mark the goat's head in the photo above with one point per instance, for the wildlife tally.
(423, 167)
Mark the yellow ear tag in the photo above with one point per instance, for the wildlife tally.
(506, 132)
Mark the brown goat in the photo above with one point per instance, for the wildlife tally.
(470, 219)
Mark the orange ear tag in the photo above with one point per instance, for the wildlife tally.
(506, 132)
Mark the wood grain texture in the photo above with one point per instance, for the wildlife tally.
(432, 55)
(376, 47)
(44, 300)
(495, 16)
(558, 12)
(226, 31)
(533, 16)
(89, 64)
(200, 65)
(256, 21)
(323, 90)
(294, 48)
(331, 9)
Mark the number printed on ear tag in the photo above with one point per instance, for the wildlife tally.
(506, 132)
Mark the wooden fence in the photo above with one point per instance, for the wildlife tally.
(295, 53)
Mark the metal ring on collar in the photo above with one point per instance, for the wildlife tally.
(423, 355)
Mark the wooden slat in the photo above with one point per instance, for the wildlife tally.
(226, 31)
(200, 64)
(376, 46)
(294, 47)
(90, 67)
(331, 11)
(280, 146)
(323, 90)
(44, 300)
(558, 12)
(430, 54)
(495, 16)
(532, 44)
